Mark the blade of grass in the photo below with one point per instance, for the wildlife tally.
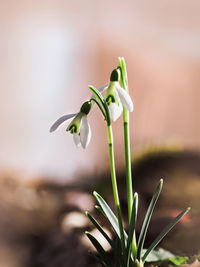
(147, 219)
(104, 258)
(164, 232)
(98, 226)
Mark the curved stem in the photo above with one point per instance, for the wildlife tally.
(99, 105)
(114, 187)
(101, 100)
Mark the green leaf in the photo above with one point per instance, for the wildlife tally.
(100, 210)
(132, 228)
(178, 260)
(104, 258)
(98, 226)
(164, 232)
(109, 214)
(147, 219)
(158, 255)
(161, 255)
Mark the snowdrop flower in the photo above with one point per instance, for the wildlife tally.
(116, 96)
(79, 126)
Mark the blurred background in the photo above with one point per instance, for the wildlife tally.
(51, 50)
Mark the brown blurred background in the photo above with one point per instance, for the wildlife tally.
(49, 52)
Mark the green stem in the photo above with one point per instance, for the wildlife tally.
(128, 162)
(128, 172)
(129, 183)
(99, 105)
(124, 82)
(114, 187)
(112, 166)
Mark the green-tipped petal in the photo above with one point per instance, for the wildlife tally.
(113, 101)
(111, 94)
(75, 125)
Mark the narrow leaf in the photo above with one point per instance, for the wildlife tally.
(109, 214)
(118, 253)
(147, 219)
(132, 227)
(96, 257)
(99, 248)
(164, 232)
(100, 210)
(98, 226)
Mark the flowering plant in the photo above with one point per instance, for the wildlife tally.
(128, 249)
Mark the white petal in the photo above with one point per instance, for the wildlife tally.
(115, 110)
(103, 88)
(85, 132)
(77, 140)
(60, 121)
(125, 98)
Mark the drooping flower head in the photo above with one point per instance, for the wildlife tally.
(79, 126)
(116, 96)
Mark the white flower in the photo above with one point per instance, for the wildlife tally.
(115, 97)
(79, 126)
